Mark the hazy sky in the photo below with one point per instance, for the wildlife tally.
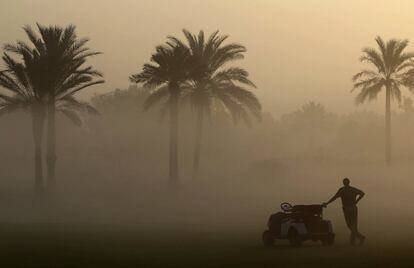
(297, 50)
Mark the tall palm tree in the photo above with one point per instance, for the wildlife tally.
(164, 76)
(212, 83)
(25, 94)
(58, 58)
(393, 70)
(15, 79)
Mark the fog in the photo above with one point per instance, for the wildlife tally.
(114, 170)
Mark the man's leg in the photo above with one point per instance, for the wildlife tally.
(357, 233)
(349, 219)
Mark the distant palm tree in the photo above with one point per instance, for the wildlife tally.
(58, 57)
(393, 70)
(164, 76)
(212, 84)
(25, 94)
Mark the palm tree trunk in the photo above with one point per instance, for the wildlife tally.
(173, 181)
(388, 126)
(51, 145)
(198, 137)
(38, 117)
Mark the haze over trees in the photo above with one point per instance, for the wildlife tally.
(393, 70)
(214, 86)
(26, 95)
(194, 81)
(169, 68)
(52, 70)
(195, 74)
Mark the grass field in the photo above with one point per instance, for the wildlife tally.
(56, 245)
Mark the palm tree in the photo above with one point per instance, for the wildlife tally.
(393, 70)
(212, 84)
(58, 58)
(25, 94)
(16, 80)
(163, 77)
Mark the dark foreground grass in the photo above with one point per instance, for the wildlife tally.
(53, 245)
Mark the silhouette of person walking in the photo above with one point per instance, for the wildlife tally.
(350, 196)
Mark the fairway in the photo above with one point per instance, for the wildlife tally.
(54, 245)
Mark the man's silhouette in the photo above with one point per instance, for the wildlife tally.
(350, 196)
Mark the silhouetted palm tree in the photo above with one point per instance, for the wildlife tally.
(393, 70)
(25, 94)
(211, 83)
(164, 76)
(59, 57)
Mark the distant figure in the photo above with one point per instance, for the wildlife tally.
(350, 196)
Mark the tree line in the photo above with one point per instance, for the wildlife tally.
(52, 68)
(44, 75)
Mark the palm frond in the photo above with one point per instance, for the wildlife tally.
(394, 68)
(53, 65)
(372, 56)
(368, 93)
(72, 116)
(235, 74)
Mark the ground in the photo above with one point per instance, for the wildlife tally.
(90, 245)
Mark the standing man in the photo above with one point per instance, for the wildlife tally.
(350, 196)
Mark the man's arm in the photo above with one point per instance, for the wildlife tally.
(360, 195)
(337, 195)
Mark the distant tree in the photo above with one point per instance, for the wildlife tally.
(58, 57)
(407, 106)
(310, 123)
(351, 140)
(26, 94)
(310, 115)
(120, 101)
(212, 84)
(163, 77)
(393, 70)
(313, 111)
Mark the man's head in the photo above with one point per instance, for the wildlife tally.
(346, 182)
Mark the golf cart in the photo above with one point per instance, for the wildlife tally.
(298, 224)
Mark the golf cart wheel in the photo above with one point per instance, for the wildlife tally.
(328, 241)
(294, 238)
(267, 239)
